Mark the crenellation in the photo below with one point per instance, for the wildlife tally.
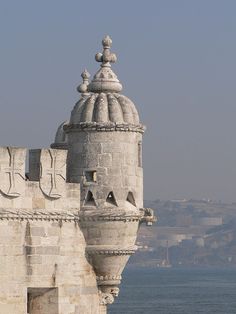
(41, 192)
(12, 171)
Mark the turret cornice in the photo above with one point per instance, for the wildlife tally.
(105, 127)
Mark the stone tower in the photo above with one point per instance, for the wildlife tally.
(104, 141)
(68, 226)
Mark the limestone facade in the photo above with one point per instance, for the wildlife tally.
(68, 226)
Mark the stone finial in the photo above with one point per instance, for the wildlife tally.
(106, 57)
(107, 41)
(83, 88)
(105, 79)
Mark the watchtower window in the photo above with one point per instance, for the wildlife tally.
(130, 198)
(140, 154)
(111, 199)
(91, 176)
(90, 199)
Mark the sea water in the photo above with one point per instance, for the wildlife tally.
(176, 291)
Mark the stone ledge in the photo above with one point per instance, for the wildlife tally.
(38, 215)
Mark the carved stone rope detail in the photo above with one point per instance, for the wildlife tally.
(38, 215)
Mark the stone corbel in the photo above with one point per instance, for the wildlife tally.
(105, 298)
(147, 216)
(108, 295)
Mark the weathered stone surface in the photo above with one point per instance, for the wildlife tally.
(44, 265)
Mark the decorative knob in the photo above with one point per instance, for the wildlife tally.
(83, 88)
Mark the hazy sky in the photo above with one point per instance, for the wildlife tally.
(176, 61)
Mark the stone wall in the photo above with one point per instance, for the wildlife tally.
(45, 254)
(42, 249)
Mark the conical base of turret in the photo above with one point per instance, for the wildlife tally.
(110, 236)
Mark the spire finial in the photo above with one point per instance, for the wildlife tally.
(106, 56)
(105, 80)
(83, 88)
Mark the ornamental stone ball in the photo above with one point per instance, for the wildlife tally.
(83, 88)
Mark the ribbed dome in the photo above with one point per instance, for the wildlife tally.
(101, 105)
(105, 108)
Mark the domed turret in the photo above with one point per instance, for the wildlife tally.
(104, 138)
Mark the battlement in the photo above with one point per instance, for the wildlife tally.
(44, 187)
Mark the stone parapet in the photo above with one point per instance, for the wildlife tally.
(43, 189)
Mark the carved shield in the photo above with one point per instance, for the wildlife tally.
(12, 171)
(53, 172)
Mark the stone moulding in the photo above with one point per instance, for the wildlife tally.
(110, 215)
(104, 127)
(110, 218)
(111, 252)
(108, 277)
(142, 215)
(38, 215)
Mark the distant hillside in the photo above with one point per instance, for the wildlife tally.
(196, 233)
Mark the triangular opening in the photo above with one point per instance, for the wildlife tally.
(130, 198)
(90, 199)
(111, 199)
